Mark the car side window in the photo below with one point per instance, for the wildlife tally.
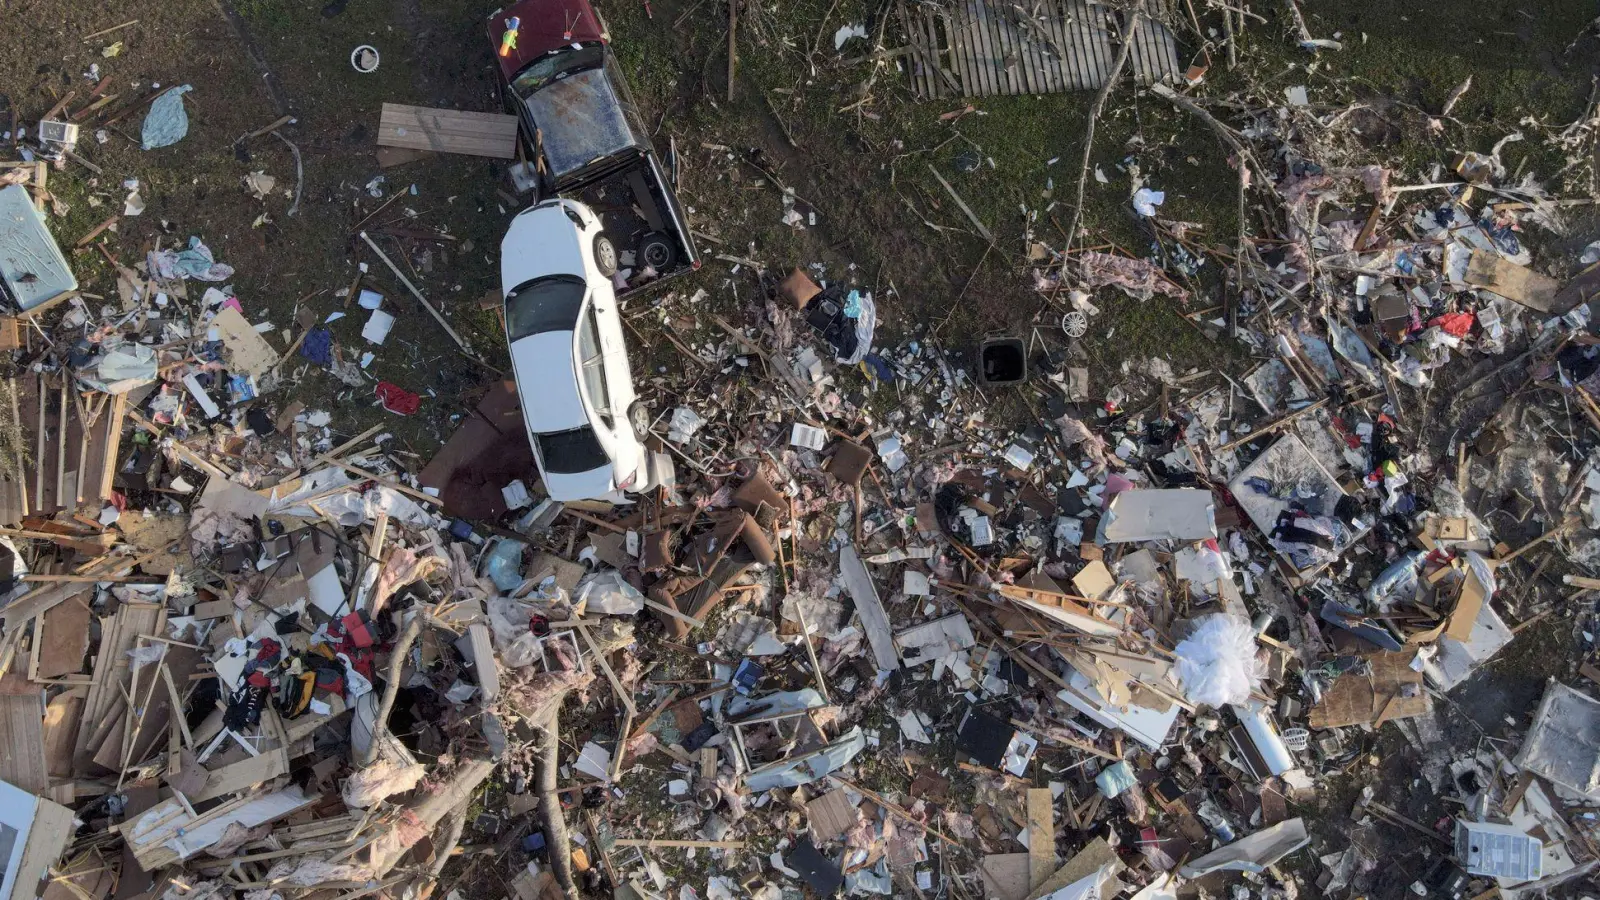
(592, 359)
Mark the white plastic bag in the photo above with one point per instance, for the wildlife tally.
(1217, 663)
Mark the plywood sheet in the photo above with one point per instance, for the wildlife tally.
(65, 639)
(830, 816)
(1487, 269)
(1041, 836)
(1357, 699)
(247, 350)
(1005, 876)
(448, 131)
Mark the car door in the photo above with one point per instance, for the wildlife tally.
(608, 321)
(594, 370)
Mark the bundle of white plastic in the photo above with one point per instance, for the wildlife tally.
(1217, 662)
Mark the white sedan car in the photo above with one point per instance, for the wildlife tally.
(568, 355)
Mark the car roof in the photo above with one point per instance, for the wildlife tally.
(545, 25)
(540, 241)
(547, 382)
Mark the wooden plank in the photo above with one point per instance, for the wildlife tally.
(1035, 62)
(908, 24)
(958, 52)
(1066, 56)
(244, 774)
(64, 639)
(955, 25)
(1057, 46)
(933, 77)
(62, 717)
(448, 131)
(1012, 39)
(1100, 51)
(22, 736)
(111, 445)
(1053, 49)
(47, 839)
(983, 43)
(1041, 836)
(19, 611)
(113, 677)
(1019, 44)
(42, 502)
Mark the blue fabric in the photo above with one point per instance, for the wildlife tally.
(167, 122)
(318, 346)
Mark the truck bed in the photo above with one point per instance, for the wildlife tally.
(632, 208)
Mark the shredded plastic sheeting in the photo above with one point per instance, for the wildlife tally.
(1138, 278)
(1217, 663)
(382, 779)
(167, 122)
(126, 366)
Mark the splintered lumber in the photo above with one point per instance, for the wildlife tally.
(106, 706)
(37, 602)
(448, 131)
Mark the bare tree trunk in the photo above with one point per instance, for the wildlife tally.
(557, 840)
(454, 794)
(457, 823)
(391, 688)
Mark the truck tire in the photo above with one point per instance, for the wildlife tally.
(656, 250)
(605, 255)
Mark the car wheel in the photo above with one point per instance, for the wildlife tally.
(639, 418)
(657, 252)
(605, 255)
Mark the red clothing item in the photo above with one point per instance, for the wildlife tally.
(397, 399)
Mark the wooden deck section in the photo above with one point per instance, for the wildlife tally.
(448, 131)
(73, 439)
(986, 48)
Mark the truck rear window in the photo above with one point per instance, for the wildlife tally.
(544, 304)
(570, 452)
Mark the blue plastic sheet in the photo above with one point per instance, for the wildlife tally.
(167, 122)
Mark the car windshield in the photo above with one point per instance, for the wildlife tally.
(537, 73)
(570, 452)
(544, 304)
(580, 119)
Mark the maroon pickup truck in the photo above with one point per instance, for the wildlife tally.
(584, 132)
